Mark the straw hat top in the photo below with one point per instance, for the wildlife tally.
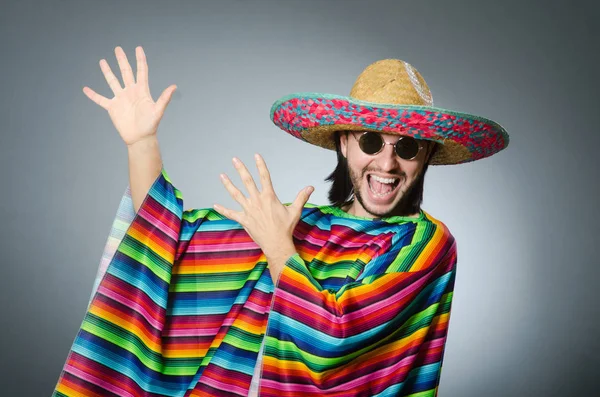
(392, 81)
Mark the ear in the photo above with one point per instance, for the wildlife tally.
(430, 147)
(344, 143)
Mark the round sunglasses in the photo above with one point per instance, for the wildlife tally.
(406, 147)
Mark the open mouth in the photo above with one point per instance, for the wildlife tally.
(382, 187)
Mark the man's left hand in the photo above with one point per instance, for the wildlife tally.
(268, 222)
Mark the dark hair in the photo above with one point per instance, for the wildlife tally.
(341, 191)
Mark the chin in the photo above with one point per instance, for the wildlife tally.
(382, 211)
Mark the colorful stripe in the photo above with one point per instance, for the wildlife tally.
(182, 300)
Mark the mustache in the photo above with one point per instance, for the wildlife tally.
(398, 175)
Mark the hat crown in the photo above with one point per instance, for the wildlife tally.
(392, 81)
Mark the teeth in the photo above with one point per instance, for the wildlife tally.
(383, 180)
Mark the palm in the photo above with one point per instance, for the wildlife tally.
(132, 110)
(134, 115)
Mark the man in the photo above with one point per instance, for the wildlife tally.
(356, 297)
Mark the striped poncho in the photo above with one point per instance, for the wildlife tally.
(183, 302)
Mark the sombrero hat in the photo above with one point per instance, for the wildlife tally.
(390, 96)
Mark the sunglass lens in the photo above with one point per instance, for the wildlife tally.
(407, 147)
(370, 142)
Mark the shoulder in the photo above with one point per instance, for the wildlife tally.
(428, 218)
(204, 215)
(441, 233)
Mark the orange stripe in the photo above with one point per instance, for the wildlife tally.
(127, 322)
(162, 247)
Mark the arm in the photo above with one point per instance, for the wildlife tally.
(158, 218)
(140, 302)
(145, 165)
(136, 117)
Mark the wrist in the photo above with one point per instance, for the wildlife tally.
(143, 143)
(278, 259)
(281, 252)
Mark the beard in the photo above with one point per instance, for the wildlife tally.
(410, 201)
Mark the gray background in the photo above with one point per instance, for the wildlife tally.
(524, 319)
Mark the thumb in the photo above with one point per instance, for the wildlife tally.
(165, 98)
(302, 198)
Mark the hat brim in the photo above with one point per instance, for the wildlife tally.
(315, 117)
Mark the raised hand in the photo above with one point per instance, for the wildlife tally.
(269, 222)
(132, 110)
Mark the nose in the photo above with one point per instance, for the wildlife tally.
(387, 158)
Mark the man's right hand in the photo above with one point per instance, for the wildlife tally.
(132, 110)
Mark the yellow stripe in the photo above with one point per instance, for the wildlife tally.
(145, 239)
(126, 325)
